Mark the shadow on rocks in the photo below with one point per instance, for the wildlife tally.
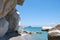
(7, 36)
(53, 37)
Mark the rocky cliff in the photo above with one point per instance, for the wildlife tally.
(9, 18)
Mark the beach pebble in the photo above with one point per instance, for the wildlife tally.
(3, 26)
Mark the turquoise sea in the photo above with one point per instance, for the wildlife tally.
(42, 36)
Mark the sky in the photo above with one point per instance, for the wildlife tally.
(39, 12)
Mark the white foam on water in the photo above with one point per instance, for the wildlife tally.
(23, 34)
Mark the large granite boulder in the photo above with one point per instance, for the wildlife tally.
(3, 26)
(57, 26)
(9, 18)
(8, 5)
(54, 33)
(13, 18)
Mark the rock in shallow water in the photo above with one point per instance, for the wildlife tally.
(6, 6)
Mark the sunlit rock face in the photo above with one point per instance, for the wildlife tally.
(6, 6)
(54, 33)
(9, 18)
(58, 27)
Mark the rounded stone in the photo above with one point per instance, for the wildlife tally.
(3, 26)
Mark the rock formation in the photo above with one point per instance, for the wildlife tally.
(58, 26)
(54, 33)
(9, 18)
(3, 26)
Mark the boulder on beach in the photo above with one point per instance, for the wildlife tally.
(54, 33)
(7, 6)
(9, 18)
(3, 26)
(57, 26)
(13, 20)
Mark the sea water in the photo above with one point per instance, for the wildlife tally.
(43, 35)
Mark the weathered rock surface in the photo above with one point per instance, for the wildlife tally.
(17, 38)
(54, 33)
(53, 37)
(8, 6)
(9, 19)
(3, 26)
(13, 20)
(57, 26)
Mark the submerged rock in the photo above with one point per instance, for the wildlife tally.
(6, 6)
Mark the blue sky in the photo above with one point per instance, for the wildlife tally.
(40, 12)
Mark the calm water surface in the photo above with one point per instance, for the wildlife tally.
(42, 36)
